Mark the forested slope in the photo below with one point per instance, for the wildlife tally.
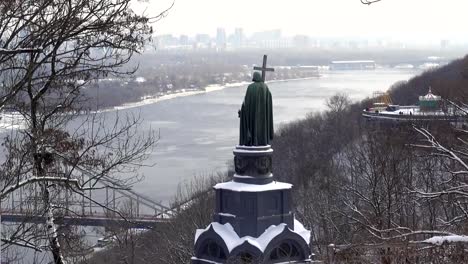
(449, 81)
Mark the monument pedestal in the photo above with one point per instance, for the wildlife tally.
(253, 220)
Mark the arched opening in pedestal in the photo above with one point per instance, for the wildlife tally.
(212, 251)
(287, 250)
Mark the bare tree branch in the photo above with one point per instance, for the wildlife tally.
(49, 51)
(369, 2)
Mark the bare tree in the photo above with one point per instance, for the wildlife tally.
(338, 103)
(379, 169)
(194, 214)
(49, 51)
(450, 189)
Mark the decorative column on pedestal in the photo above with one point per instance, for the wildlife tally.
(253, 220)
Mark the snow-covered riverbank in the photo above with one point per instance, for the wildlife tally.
(181, 93)
(14, 120)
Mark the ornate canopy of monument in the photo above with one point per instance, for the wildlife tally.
(253, 220)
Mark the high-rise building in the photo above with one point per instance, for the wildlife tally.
(221, 41)
(165, 41)
(444, 43)
(184, 40)
(202, 39)
(270, 39)
(238, 38)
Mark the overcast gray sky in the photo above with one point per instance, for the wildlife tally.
(398, 19)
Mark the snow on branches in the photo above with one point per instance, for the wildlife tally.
(368, 2)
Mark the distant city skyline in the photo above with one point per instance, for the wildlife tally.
(416, 21)
(274, 39)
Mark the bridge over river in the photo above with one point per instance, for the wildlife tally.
(105, 206)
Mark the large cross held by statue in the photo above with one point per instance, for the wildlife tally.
(264, 68)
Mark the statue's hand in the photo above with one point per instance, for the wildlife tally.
(239, 113)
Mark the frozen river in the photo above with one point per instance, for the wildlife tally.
(198, 132)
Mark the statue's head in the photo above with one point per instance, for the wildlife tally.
(257, 77)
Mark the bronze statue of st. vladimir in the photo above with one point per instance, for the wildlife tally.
(256, 114)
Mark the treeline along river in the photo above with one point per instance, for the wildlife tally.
(198, 132)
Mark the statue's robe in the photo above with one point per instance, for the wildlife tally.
(256, 115)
